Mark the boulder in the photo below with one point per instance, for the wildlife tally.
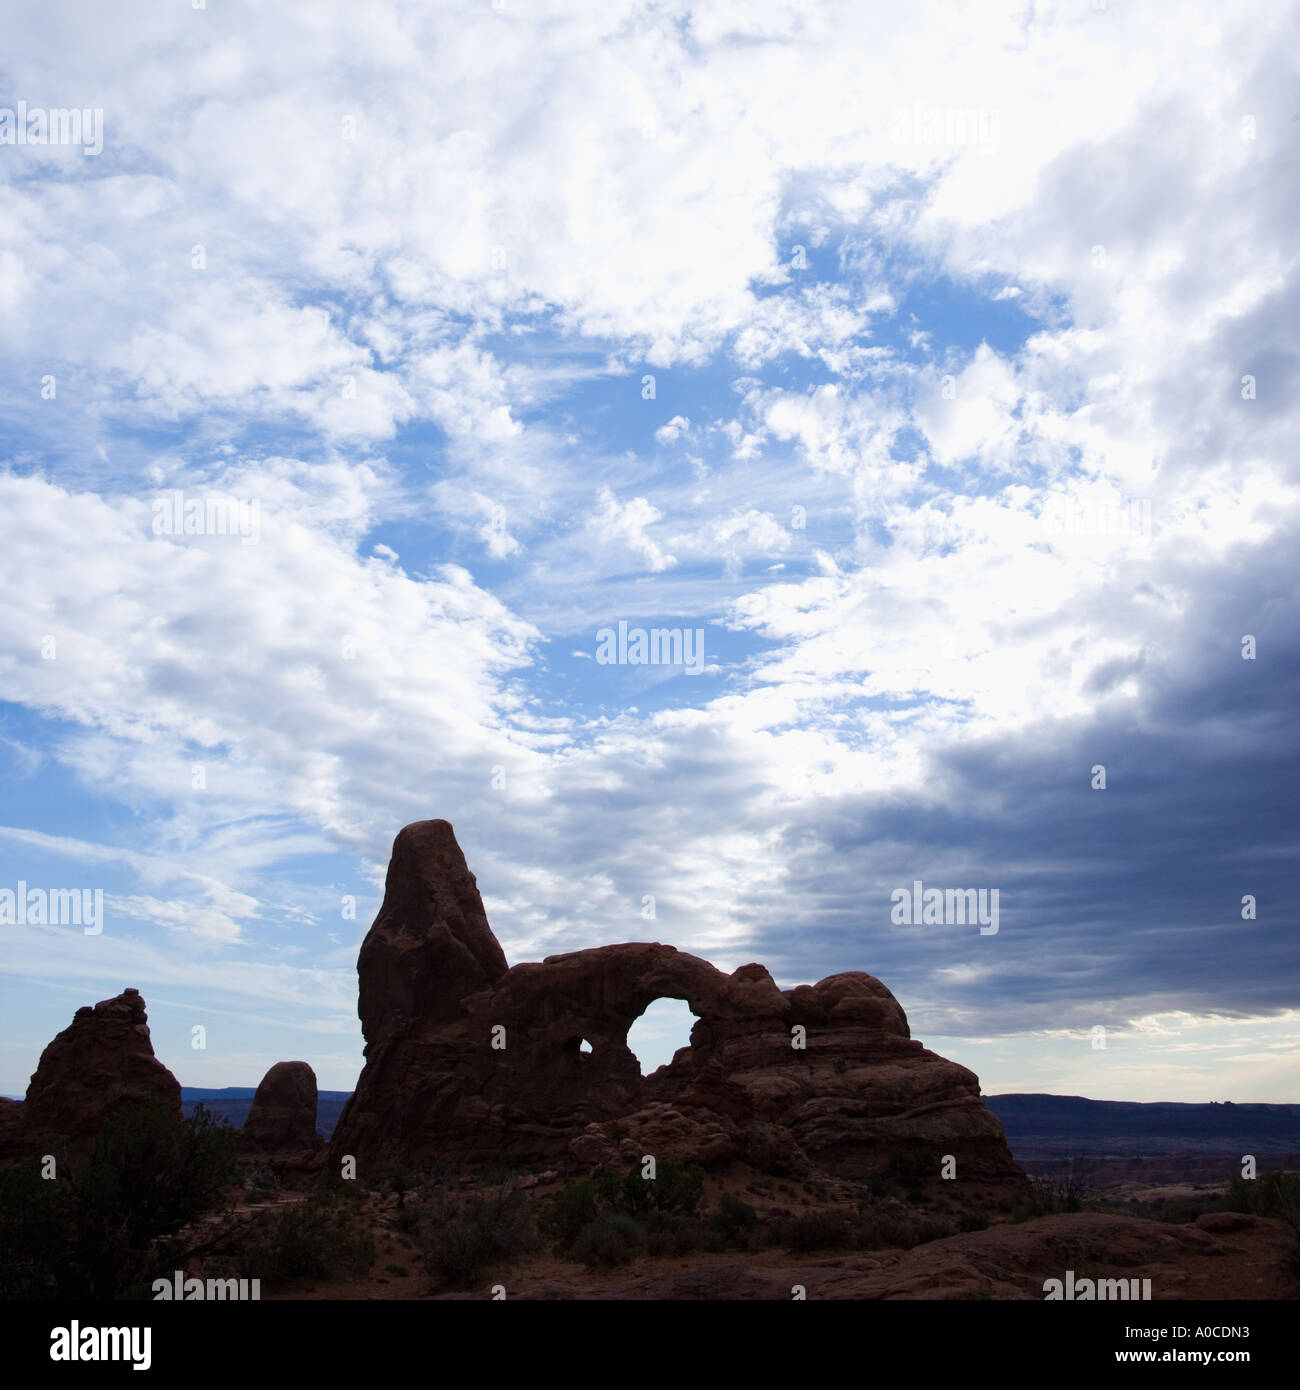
(282, 1118)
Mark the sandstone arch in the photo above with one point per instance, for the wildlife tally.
(436, 991)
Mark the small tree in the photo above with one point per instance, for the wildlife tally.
(92, 1232)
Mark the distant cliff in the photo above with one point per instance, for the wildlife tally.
(1037, 1125)
(1047, 1126)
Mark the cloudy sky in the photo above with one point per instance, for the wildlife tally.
(936, 363)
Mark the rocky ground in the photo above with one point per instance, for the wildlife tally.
(1217, 1255)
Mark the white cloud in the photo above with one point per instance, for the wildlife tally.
(674, 430)
(457, 234)
(623, 524)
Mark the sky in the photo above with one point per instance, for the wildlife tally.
(930, 368)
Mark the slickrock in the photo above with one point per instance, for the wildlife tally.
(1012, 1262)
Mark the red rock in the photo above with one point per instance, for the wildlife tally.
(1004, 1262)
(430, 944)
(1226, 1223)
(11, 1123)
(435, 996)
(102, 1061)
(282, 1118)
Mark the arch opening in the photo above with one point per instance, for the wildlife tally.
(663, 1026)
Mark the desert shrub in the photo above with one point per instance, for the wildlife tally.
(679, 1235)
(148, 1173)
(92, 1231)
(655, 1215)
(613, 1238)
(461, 1242)
(1051, 1196)
(1057, 1195)
(663, 1210)
(319, 1238)
(1175, 1213)
(569, 1210)
(911, 1167)
(902, 1230)
(734, 1219)
(1276, 1195)
(670, 1233)
(1289, 1258)
(882, 1231)
(36, 1236)
(1270, 1194)
(815, 1230)
(498, 1170)
(923, 1229)
(332, 1188)
(676, 1188)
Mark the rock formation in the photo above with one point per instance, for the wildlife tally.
(431, 944)
(467, 1060)
(282, 1118)
(101, 1062)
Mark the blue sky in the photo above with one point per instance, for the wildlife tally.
(511, 323)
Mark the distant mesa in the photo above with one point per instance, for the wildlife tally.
(469, 1060)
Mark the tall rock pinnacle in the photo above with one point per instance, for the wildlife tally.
(431, 944)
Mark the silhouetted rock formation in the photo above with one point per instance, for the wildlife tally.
(101, 1062)
(467, 1060)
(282, 1119)
(431, 944)
(11, 1127)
